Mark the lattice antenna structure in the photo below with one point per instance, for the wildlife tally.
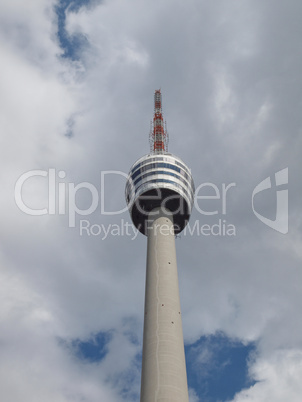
(158, 133)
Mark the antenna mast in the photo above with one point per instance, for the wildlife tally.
(158, 133)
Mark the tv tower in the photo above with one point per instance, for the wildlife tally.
(159, 194)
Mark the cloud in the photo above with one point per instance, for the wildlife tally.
(278, 378)
(230, 78)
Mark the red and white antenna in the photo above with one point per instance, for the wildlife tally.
(158, 133)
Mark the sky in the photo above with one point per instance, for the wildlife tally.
(77, 80)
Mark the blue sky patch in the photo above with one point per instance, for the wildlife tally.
(217, 367)
(94, 349)
(71, 45)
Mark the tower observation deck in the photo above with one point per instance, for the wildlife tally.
(159, 194)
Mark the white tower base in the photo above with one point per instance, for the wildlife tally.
(164, 377)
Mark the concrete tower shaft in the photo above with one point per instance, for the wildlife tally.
(164, 375)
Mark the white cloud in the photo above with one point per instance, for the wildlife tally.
(278, 378)
(230, 78)
(193, 396)
(33, 365)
